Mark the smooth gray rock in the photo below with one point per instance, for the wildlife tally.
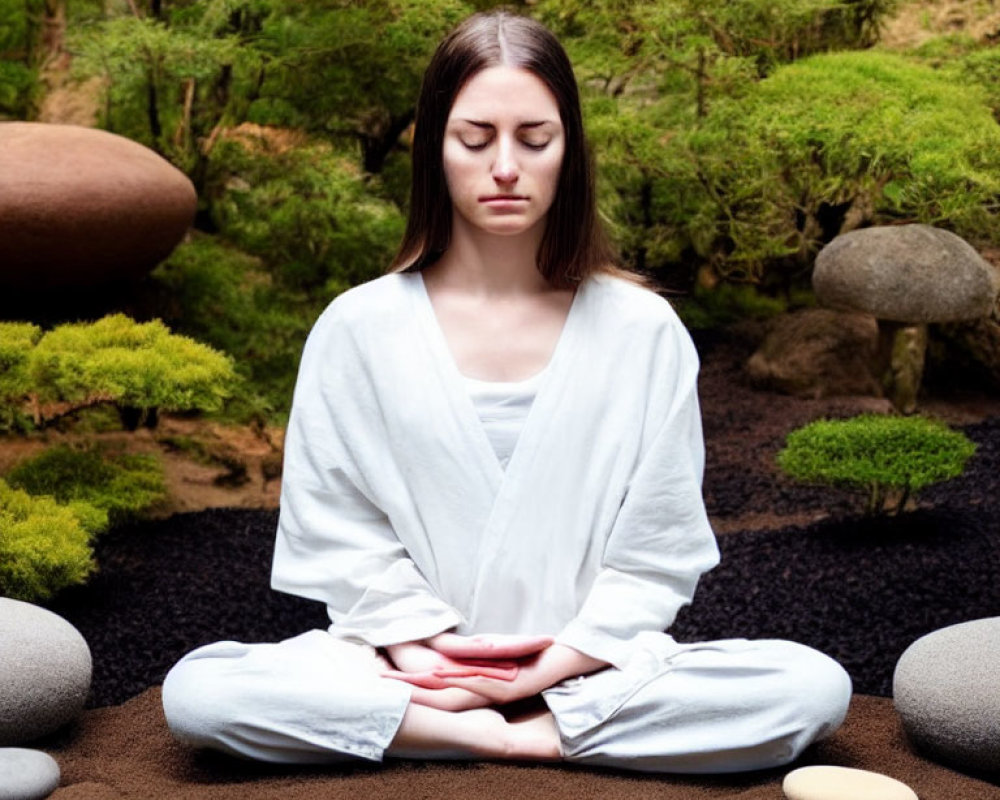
(45, 671)
(946, 688)
(905, 273)
(27, 774)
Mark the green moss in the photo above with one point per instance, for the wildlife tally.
(879, 454)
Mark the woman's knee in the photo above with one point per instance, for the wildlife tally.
(818, 692)
(198, 700)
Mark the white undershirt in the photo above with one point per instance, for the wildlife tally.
(503, 407)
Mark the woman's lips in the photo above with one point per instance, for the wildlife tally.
(503, 198)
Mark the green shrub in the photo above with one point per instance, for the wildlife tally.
(835, 140)
(881, 454)
(308, 212)
(44, 546)
(118, 485)
(135, 366)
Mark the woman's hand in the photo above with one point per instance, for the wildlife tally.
(550, 666)
(432, 665)
(488, 646)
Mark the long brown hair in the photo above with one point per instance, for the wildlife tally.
(574, 245)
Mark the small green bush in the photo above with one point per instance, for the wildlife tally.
(118, 485)
(44, 546)
(882, 454)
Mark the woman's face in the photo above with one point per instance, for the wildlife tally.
(503, 149)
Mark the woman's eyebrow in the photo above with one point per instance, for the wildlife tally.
(490, 126)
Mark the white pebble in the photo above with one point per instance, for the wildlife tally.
(843, 783)
(27, 774)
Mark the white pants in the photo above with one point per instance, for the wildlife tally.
(721, 706)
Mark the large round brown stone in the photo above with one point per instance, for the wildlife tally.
(81, 206)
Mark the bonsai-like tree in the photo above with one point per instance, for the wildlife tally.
(891, 458)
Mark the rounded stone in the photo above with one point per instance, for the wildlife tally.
(843, 783)
(817, 352)
(905, 273)
(45, 671)
(946, 688)
(27, 774)
(83, 207)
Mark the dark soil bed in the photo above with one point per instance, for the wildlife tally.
(798, 562)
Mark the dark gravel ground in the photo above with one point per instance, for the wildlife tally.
(860, 590)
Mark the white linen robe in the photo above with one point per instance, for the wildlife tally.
(396, 514)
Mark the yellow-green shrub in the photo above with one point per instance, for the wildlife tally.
(135, 366)
(44, 546)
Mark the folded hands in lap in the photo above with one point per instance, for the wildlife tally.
(455, 673)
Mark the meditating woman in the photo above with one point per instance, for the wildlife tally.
(493, 480)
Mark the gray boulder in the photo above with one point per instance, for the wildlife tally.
(946, 688)
(906, 276)
(82, 206)
(905, 273)
(27, 774)
(45, 671)
(817, 353)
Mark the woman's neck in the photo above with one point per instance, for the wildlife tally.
(490, 264)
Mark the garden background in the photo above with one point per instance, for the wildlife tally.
(733, 141)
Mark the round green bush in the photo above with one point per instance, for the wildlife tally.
(882, 454)
(44, 546)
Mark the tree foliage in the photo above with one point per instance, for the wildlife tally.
(228, 299)
(877, 453)
(134, 366)
(839, 140)
(307, 211)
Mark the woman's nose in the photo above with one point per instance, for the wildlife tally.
(505, 165)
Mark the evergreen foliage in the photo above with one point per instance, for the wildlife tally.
(132, 365)
(308, 212)
(44, 546)
(838, 140)
(118, 485)
(227, 298)
(884, 455)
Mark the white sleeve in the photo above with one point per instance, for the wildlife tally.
(661, 541)
(333, 543)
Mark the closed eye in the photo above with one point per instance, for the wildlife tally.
(475, 145)
(536, 145)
